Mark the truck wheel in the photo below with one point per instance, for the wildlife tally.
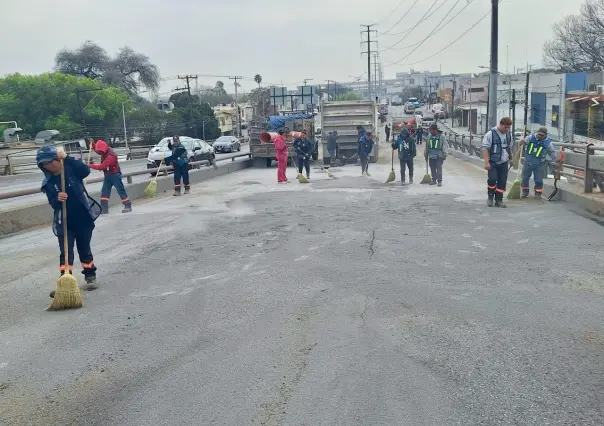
(259, 162)
(315, 156)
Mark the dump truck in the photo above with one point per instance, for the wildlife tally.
(262, 146)
(344, 117)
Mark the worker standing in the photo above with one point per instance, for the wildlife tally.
(407, 150)
(387, 130)
(82, 211)
(303, 148)
(180, 163)
(538, 147)
(420, 134)
(113, 176)
(364, 151)
(496, 153)
(332, 147)
(281, 154)
(435, 153)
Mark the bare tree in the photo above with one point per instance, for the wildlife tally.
(578, 42)
(89, 60)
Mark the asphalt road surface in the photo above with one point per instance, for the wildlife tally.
(341, 302)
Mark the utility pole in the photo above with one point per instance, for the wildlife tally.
(494, 63)
(368, 52)
(237, 102)
(188, 79)
(513, 106)
(526, 97)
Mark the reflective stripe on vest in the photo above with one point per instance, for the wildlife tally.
(434, 145)
(535, 149)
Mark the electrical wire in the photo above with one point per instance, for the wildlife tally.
(444, 48)
(435, 28)
(420, 20)
(391, 13)
(402, 17)
(406, 32)
(439, 29)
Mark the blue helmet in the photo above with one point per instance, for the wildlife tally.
(45, 154)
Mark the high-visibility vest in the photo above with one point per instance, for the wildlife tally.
(537, 148)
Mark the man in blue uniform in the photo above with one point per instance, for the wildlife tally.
(537, 148)
(304, 148)
(496, 153)
(407, 150)
(436, 153)
(364, 151)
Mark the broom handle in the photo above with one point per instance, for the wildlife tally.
(160, 164)
(64, 213)
(88, 162)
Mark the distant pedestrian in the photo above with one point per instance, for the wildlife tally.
(364, 152)
(180, 164)
(387, 130)
(420, 135)
(113, 176)
(436, 153)
(304, 148)
(538, 147)
(282, 156)
(332, 147)
(407, 151)
(496, 152)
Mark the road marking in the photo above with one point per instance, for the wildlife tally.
(167, 293)
(300, 258)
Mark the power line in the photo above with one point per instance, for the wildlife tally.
(434, 29)
(391, 13)
(407, 32)
(420, 20)
(402, 17)
(439, 28)
(447, 46)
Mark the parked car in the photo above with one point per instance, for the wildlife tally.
(427, 121)
(197, 150)
(227, 144)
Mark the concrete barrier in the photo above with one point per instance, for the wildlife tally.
(40, 213)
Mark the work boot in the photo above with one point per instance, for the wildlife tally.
(364, 174)
(104, 210)
(367, 174)
(490, 201)
(176, 193)
(537, 195)
(440, 184)
(433, 182)
(499, 203)
(127, 209)
(187, 191)
(524, 194)
(308, 176)
(90, 284)
(411, 181)
(403, 182)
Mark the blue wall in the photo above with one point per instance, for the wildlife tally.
(538, 108)
(576, 81)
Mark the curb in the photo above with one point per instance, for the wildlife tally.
(590, 205)
(30, 216)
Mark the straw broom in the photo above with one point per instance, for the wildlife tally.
(151, 189)
(392, 174)
(427, 178)
(514, 192)
(67, 294)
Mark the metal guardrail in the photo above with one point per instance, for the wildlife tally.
(127, 175)
(581, 158)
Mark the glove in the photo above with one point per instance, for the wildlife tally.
(393, 146)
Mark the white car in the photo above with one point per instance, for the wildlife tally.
(197, 150)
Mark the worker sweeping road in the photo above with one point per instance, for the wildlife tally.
(282, 156)
(180, 163)
(407, 151)
(496, 153)
(364, 151)
(538, 147)
(304, 148)
(82, 210)
(113, 176)
(332, 147)
(436, 153)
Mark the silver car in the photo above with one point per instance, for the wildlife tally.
(227, 144)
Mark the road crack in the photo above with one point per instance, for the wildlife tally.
(371, 243)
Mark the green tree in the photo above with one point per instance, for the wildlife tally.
(50, 101)
(219, 88)
(258, 79)
(260, 99)
(348, 96)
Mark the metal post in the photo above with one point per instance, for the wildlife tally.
(588, 173)
(494, 63)
(513, 105)
(125, 133)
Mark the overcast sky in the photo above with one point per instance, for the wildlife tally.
(283, 40)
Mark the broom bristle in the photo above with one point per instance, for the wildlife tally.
(151, 189)
(67, 295)
(302, 179)
(427, 179)
(514, 192)
(391, 177)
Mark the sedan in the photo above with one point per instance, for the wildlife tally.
(227, 144)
